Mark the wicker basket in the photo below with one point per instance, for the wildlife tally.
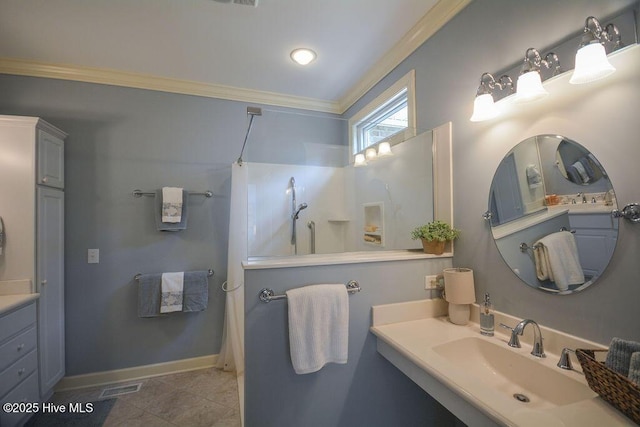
(614, 388)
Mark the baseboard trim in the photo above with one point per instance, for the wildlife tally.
(135, 373)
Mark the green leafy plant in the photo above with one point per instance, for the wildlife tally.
(435, 230)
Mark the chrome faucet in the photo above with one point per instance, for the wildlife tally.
(584, 198)
(514, 341)
(565, 361)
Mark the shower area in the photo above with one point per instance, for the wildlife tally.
(304, 196)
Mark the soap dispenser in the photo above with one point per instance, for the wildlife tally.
(486, 317)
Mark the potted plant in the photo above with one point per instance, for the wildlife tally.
(434, 236)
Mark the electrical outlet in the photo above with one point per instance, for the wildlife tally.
(430, 282)
(93, 256)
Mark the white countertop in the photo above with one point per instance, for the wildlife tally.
(15, 294)
(414, 339)
(9, 302)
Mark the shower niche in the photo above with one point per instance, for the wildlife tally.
(373, 233)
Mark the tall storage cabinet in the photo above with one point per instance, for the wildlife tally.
(32, 207)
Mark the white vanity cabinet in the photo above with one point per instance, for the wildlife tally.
(32, 208)
(18, 362)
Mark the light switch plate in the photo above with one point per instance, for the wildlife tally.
(93, 256)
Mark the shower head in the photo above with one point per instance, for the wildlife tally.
(301, 206)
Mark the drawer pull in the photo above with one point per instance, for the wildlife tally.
(44, 282)
(20, 347)
(45, 179)
(21, 372)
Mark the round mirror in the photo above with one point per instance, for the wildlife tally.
(550, 207)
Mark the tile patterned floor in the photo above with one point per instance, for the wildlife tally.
(202, 398)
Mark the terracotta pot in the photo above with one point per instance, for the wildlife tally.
(434, 247)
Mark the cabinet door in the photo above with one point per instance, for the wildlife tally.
(50, 283)
(50, 160)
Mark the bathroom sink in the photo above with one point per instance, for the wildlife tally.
(599, 207)
(519, 376)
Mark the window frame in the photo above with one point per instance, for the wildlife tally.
(380, 107)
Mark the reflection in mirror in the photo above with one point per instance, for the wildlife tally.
(550, 207)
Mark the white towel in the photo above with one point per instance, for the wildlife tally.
(171, 204)
(318, 326)
(172, 289)
(556, 258)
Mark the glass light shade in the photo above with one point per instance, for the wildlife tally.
(529, 87)
(384, 149)
(303, 56)
(591, 64)
(359, 160)
(484, 108)
(370, 154)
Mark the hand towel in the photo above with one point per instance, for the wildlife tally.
(149, 295)
(582, 172)
(573, 175)
(171, 204)
(586, 164)
(196, 291)
(172, 288)
(556, 258)
(168, 226)
(619, 355)
(534, 177)
(634, 368)
(318, 326)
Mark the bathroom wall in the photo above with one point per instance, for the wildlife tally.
(367, 390)
(493, 35)
(124, 139)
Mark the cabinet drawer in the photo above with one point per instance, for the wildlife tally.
(17, 372)
(17, 347)
(26, 392)
(16, 321)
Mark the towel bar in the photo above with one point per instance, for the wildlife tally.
(140, 193)
(137, 276)
(524, 247)
(267, 295)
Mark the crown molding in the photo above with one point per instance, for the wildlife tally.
(429, 24)
(142, 81)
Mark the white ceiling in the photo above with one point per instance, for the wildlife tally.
(218, 45)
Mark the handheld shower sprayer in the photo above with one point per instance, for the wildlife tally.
(301, 206)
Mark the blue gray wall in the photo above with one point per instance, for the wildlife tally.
(124, 139)
(368, 390)
(492, 35)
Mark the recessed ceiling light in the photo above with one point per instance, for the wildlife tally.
(303, 56)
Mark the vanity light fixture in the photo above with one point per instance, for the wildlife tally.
(591, 59)
(484, 107)
(529, 85)
(384, 149)
(370, 154)
(359, 161)
(303, 56)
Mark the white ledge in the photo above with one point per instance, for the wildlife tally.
(254, 263)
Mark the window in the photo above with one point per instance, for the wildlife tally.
(390, 117)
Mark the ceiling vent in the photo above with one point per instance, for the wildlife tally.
(253, 3)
